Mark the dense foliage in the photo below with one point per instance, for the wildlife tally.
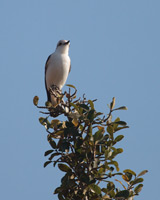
(83, 146)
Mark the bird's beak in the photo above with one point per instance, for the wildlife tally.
(67, 42)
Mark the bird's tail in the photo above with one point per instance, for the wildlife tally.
(53, 100)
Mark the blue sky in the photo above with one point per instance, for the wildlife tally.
(115, 47)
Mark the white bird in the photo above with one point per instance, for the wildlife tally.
(57, 68)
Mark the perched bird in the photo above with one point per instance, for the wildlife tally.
(57, 68)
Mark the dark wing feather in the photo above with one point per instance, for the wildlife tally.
(70, 68)
(46, 66)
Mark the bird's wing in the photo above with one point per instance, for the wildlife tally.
(46, 66)
(70, 67)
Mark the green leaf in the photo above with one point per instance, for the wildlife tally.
(98, 113)
(85, 107)
(48, 152)
(101, 169)
(121, 108)
(48, 104)
(101, 128)
(55, 123)
(91, 104)
(112, 193)
(52, 143)
(110, 186)
(35, 100)
(137, 180)
(84, 178)
(95, 188)
(98, 135)
(122, 123)
(72, 86)
(123, 193)
(130, 171)
(119, 128)
(142, 173)
(64, 168)
(105, 190)
(125, 178)
(75, 106)
(108, 154)
(53, 155)
(91, 115)
(138, 188)
(119, 138)
(45, 122)
(129, 175)
(110, 129)
(57, 190)
(112, 103)
(41, 120)
(115, 163)
(47, 163)
(119, 150)
(116, 120)
(121, 183)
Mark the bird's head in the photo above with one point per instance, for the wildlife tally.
(63, 46)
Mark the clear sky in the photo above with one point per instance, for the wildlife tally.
(115, 51)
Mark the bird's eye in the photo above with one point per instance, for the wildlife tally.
(60, 44)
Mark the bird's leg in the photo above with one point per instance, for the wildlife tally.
(55, 88)
(55, 91)
(62, 105)
(58, 90)
(52, 92)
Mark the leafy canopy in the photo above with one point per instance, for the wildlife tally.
(83, 146)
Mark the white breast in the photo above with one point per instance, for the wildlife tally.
(58, 69)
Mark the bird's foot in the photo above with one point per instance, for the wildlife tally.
(55, 91)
